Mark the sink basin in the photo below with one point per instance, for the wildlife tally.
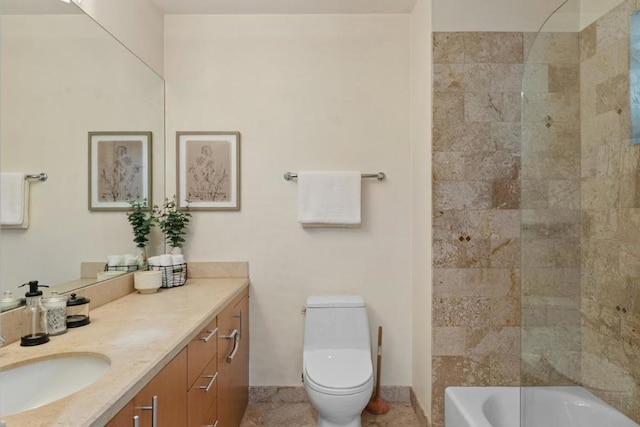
(38, 382)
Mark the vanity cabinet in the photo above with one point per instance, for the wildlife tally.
(233, 361)
(207, 383)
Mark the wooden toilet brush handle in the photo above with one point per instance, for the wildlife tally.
(379, 364)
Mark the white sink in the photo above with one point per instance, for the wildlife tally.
(30, 385)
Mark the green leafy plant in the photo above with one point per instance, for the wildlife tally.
(141, 219)
(173, 222)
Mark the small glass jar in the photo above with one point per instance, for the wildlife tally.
(77, 311)
(56, 306)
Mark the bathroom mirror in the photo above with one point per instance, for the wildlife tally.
(63, 76)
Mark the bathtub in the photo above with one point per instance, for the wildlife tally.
(542, 407)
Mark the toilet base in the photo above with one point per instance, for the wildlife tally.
(356, 422)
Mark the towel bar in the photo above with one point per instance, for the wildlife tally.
(39, 176)
(288, 176)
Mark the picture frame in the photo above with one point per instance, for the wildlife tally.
(119, 169)
(208, 170)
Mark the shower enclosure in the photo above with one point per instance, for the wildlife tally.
(580, 202)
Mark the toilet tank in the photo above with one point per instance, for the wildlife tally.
(336, 322)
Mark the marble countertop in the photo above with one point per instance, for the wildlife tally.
(139, 334)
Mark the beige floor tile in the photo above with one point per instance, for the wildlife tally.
(303, 415)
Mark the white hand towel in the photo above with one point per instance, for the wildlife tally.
(329, 198)
(115, 260)
(14, 200)
(177, 259)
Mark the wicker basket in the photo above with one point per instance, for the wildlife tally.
(108, 267)
(172, 275)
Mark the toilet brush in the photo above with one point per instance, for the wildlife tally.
(377, 405)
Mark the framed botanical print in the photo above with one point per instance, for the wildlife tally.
(208, 170)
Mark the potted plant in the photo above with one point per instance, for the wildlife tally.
(173, 222)
(141, 219)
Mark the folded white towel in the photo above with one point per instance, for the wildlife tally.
(329, 198)
(177, 259)
(14, 200)
(161, 260)
(115, 260)
(130, 260)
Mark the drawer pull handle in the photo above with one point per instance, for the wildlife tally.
(136, 421)
(235, 336)
(211, 334)
(208, 386)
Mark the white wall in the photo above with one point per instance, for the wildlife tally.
(307, 93)
(138, 24)
(62, 77)
(421, 200)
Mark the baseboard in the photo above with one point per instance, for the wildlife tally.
(296, 394)
(419, 410)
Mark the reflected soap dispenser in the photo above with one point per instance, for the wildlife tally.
(34, 317)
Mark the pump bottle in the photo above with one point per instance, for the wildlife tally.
(34, 317)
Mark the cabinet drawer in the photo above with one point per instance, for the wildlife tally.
(201, 400)
(211, 417)
(200, 351)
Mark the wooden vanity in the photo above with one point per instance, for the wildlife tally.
(206, 384)
(185, 348)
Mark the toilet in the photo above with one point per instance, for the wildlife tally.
(337, 368)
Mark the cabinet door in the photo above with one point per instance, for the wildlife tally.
(124, 418)
(170, 389)
(233, 362)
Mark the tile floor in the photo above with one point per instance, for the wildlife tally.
(303, 415)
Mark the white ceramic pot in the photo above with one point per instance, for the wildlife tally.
(147, 282)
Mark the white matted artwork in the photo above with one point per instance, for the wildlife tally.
(208, 170)
(119, 169)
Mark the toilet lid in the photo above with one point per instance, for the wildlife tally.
(338, 369)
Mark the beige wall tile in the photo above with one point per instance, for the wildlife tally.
(500, 48)
(448, 48)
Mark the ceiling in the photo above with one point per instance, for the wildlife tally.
(234, 7)
(37, 7)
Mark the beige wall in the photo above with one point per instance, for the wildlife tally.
(307, 93)
(421, 70)
(138, 24)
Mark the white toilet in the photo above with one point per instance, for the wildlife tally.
(337, 369)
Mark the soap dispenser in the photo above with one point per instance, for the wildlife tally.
(34, 317)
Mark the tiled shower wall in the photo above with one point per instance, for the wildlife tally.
(610, 289)
(579, 208)
(476, 199)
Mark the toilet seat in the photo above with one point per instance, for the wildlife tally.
(338, 372)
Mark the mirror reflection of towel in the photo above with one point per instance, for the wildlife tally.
(329, 198)
(14, 200)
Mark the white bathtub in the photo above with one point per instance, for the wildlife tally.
(542, 407)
